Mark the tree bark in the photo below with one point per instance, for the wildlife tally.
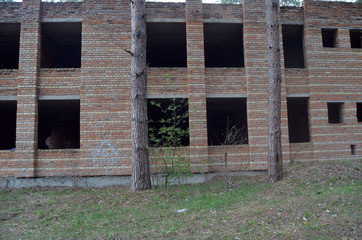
(275, 168)
(140, 163)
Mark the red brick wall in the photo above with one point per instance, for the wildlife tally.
(102, 82)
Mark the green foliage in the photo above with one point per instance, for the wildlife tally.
(166, 134)
(168, 131)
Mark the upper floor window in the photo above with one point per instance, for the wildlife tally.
(61, 45)
(329, 38)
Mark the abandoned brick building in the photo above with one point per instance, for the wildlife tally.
(65, 83)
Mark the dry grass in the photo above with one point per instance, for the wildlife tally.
(314, 201)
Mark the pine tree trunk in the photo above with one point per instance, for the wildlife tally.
(275, 168)
(140, 163)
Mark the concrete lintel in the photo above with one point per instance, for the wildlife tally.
(214, 20)
(59, 97)
(149, 96)
(335, 27)
(230, 95)
(166, 20)
(298, 95)
(293, 22)
(10, 21)
(61, 20)
(8, 98)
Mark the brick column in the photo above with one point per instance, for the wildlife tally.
(284, 118)
(105, 118)
(196, 80)
(256, 66)
(27, 105)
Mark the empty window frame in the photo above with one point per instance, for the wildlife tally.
(58, 125)
(293, 46)
(166, 45)
(61, 45)
(355, 38)
(9, 45)
(7, 124)
(359, 111)
(298, 120)
(168, 124)
(329, 38)
(223, 43)
(227, 121)
(335, 112)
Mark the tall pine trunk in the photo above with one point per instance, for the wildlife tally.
(140, 163)
(275, 168)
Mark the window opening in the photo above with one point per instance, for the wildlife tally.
(166, 45)
(293, 46)
(61, 45)
(298, 120)
(335, 112)
(359, 112)
(7, 125)
(329, 37)
(356, 38)
(223, 43)
(227, 121)
(9, 45)
(168, 122)
(58, 125)
(353, 149)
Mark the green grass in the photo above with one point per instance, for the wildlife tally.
(311, 202)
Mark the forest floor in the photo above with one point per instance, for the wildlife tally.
(313, 201)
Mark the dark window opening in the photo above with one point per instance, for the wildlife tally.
(329, 37)
(298, 120)
(58, 125)
(223, 45)
(227, 121)
(9, 45)
(353, 149)
(293, 46)
(61, 45)
(359, 112)
(166, 45)
(335, 112)
(168, 122)
(7, 125)
(356, 38)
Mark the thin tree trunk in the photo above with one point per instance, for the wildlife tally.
(275, 168)
(140, 163)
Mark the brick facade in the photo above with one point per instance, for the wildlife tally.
(102, 84)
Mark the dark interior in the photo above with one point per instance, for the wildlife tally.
(7, 124)
(334, 112)
(223, 45)
(58, 125)
(166, 45)
(359, 112)
(223, 114)
(9, 45)
(293, 46)
(298, 120)
(61, 45)
(329, 37)
(356, 38)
